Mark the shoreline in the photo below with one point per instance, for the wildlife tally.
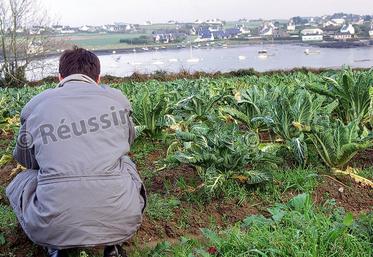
(184, 74)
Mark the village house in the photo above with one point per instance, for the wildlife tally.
(37, 30)
(291, 26)
(167, 36)
(118, 27)
(345, 33)
(312, 35)
(334, 23)
(371, 31)
(88, 29)
(243, 30)
(232, 33)
(57, 28)
(206, 33)
(215, 22)
(280, 33)
(267, 29)
(68, 30)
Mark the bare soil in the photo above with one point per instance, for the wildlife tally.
(363, 159)
(349, 195)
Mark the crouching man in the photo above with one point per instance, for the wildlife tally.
(80, 188)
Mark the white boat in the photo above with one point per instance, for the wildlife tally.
(192, 59)
(145, 49)
(262, 53)
(311, 52)
(241, 57)
(173, 60)
(158, 63)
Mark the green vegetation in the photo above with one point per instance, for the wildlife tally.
(161, 208)
(141, 40)
(249, 143)
(294, 229)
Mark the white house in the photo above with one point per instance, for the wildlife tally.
(67, 30)
(334, 23)
(36, 30)
(348, 28)
(346, 32)
(85, 28)
(339, 22)
(371, 31)
(214, 22)
(316, 31)
(267, 29)
(359, 21)
(243, 29)
(291, 26)
(108, 28)
(312, 35)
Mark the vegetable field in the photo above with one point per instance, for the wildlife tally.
(270, 165)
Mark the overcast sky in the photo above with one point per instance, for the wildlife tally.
(97, 12)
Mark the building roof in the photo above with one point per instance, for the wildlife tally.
(348, 28)
(316, 31)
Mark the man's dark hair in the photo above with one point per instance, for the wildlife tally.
(79, 61)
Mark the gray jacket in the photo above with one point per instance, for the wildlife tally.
(85, 191)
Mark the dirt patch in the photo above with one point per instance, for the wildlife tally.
(363, 159)
(189, 219)
(349, 195)
(17, 243)
(6, 173)
(170, 178)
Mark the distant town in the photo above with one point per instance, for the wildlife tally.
(337, 30)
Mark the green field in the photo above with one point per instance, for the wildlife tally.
(253, 165)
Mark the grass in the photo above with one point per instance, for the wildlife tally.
(8, 222)
(102, 41)
(8, 219)
(297, 228)
(367, 173)
(161, 208)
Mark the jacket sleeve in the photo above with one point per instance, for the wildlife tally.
(131, 129)
(24, 152)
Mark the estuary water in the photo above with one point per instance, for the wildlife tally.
(223, 59)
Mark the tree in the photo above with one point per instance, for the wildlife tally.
(23, 39)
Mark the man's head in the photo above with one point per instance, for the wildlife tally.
(79, 61)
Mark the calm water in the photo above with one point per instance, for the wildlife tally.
(225, 59)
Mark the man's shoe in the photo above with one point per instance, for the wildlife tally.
(114, 251)
(56, 253)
